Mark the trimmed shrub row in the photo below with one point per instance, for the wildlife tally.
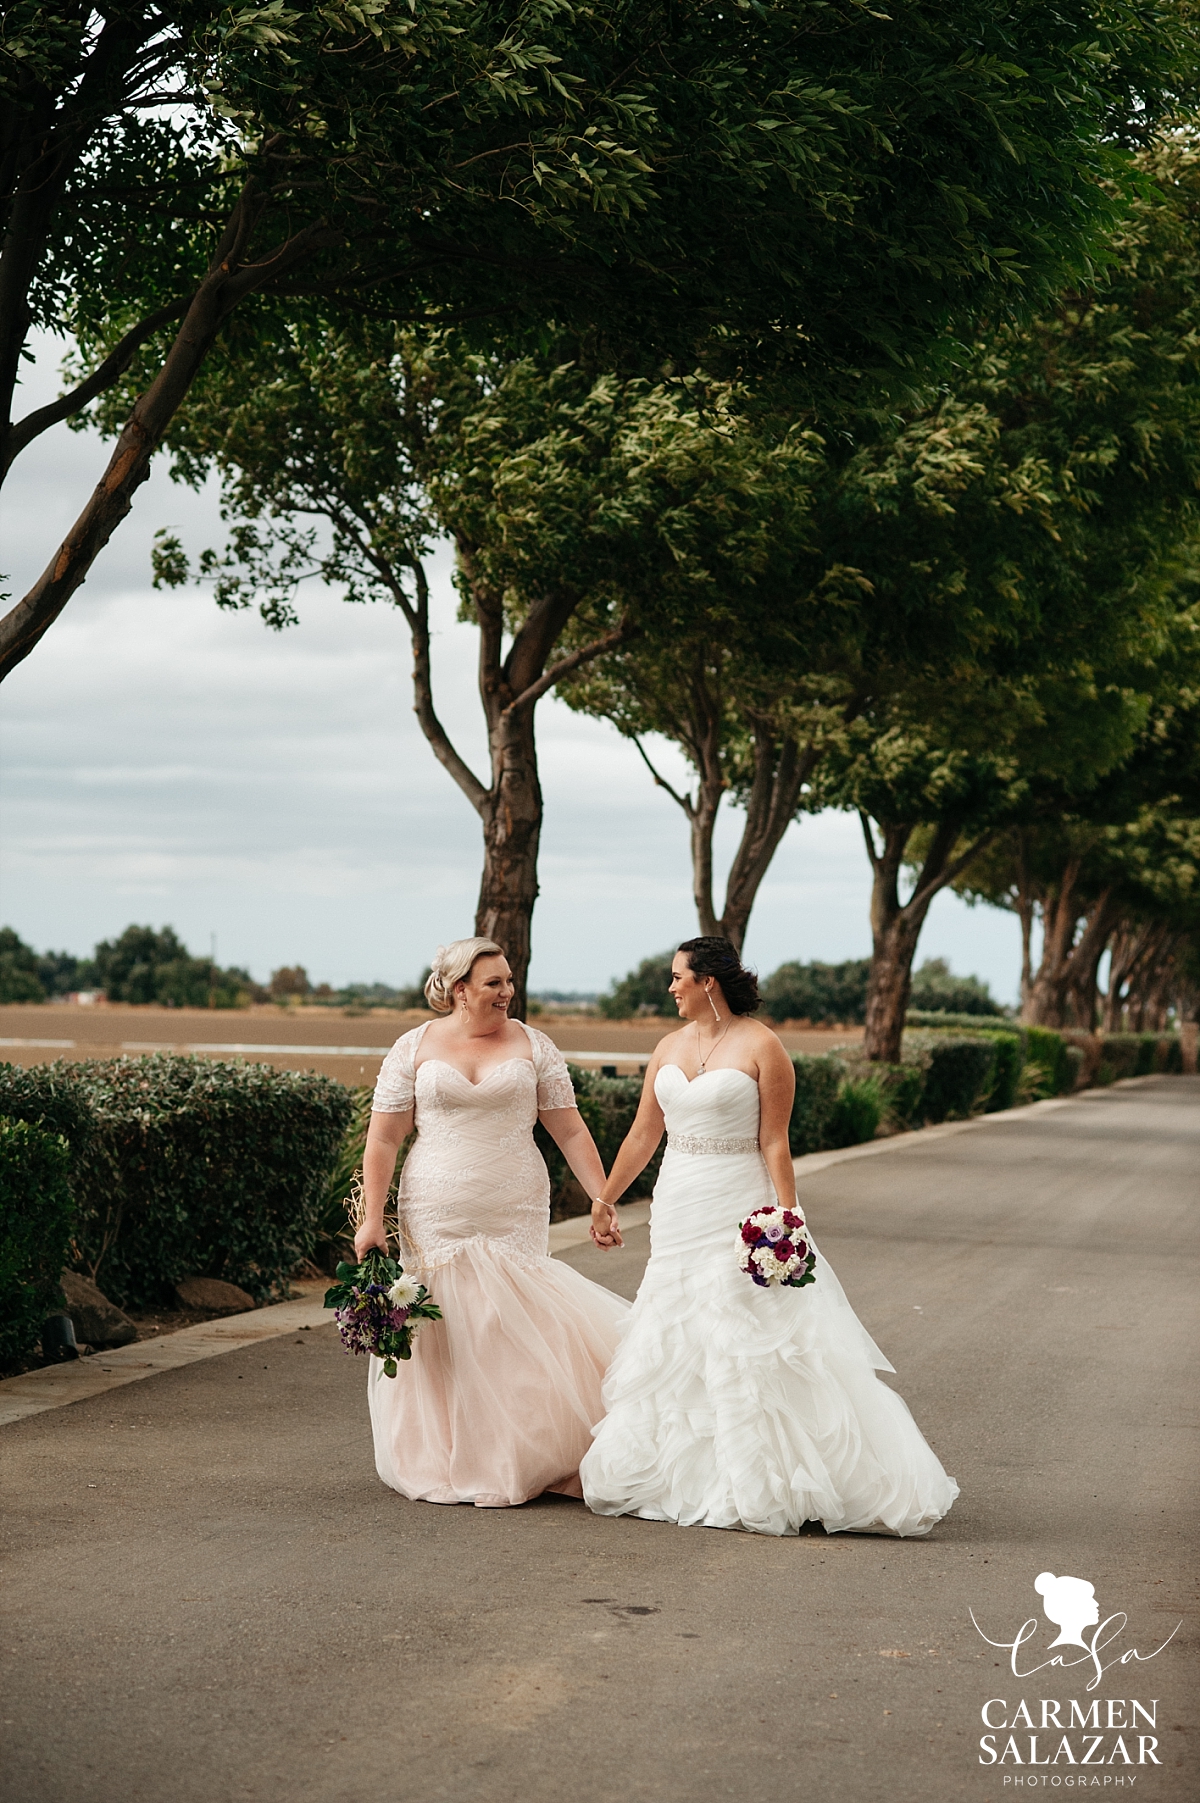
(608, 1105)
(1138, 1055)
(37, 1214)
(184, 1166)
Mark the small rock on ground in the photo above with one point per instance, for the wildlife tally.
(212, 1294)
(97, 1321)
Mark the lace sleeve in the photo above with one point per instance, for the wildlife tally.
(395, 1085)
(553, 1083)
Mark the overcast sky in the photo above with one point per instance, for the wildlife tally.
(165, 763)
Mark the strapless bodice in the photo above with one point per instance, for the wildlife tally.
(719, 1105)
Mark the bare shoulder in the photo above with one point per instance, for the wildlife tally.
(662, 1051)
(766, 1045)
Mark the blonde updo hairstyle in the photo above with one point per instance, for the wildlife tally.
(453, 964)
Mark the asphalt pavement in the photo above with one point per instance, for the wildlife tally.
(208, 1596)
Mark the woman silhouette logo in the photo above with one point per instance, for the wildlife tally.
(1070, 1603)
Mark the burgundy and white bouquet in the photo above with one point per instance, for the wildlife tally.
(378, 1309)
(774, 1249)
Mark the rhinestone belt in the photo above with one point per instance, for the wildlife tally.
(696, 1144)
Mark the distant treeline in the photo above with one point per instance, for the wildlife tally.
(150, 966)
(820, 993)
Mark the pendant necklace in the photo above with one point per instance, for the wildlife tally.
(716, 1042)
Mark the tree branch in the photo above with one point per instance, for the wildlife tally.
(619, 635)
(435, 733)
(24, 625)
(929, 887)
(111, 370)
(869, 836)
(684, 801)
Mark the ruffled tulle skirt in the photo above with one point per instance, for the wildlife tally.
(499, 1398)
(732, 1406)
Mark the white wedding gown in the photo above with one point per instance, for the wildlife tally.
(733, 1406)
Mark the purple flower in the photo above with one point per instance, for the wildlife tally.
(398, 1316)
(774, 1232)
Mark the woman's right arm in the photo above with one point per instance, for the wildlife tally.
(385, 1136)
(641, 1142)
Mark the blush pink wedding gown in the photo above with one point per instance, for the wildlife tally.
(499, 1399)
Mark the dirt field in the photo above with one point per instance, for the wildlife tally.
(348, 1046)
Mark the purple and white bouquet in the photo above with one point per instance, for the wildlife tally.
(378, 1309)
(774, 1249)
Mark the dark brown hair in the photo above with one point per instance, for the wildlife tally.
(715, 957)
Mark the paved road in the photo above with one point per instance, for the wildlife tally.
(209, 1598)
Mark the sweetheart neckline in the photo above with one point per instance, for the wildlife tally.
(446, 1065)
(722, 1070)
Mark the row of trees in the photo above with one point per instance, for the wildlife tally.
(823, 994)
(961, 618)
(808, 385)
(147, 965)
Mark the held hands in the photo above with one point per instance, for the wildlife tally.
(605, 1232)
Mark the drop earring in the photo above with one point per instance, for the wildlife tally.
(713, 1006)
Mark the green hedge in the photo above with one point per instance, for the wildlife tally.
(959, 1069)
(1051, 1053)
(818, 1080)
(48, 1095)
(858, 1111)
(37, 1215)
(1005, 1088)
(608, 1105)
(192, 1167)
(1138, 1055)
(1045, 1068)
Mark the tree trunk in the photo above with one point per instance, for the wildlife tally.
(1046, 1004)
(780, 771)
(1083, 988)
(1025, 911)
(894, 937)
(1132, 948)
(227, 281)
(895, 930)
(510, 688)
(705, 748)
(512, 826)
(896, 925)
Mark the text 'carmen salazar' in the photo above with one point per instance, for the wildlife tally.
(1103, 1731)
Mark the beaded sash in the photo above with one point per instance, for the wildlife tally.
(698, 1145)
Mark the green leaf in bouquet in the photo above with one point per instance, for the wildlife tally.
(389, 1367)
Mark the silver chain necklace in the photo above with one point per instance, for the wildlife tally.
(716, 1042)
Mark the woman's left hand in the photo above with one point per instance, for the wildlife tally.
(605, 1231)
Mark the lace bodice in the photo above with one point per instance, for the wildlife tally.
(395, 1087)
(474, 1173)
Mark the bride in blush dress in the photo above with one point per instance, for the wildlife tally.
(729, 1405)
(499, 1398)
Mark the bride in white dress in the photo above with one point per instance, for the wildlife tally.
(730, 1405)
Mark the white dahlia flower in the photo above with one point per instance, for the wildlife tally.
(404, 1292)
